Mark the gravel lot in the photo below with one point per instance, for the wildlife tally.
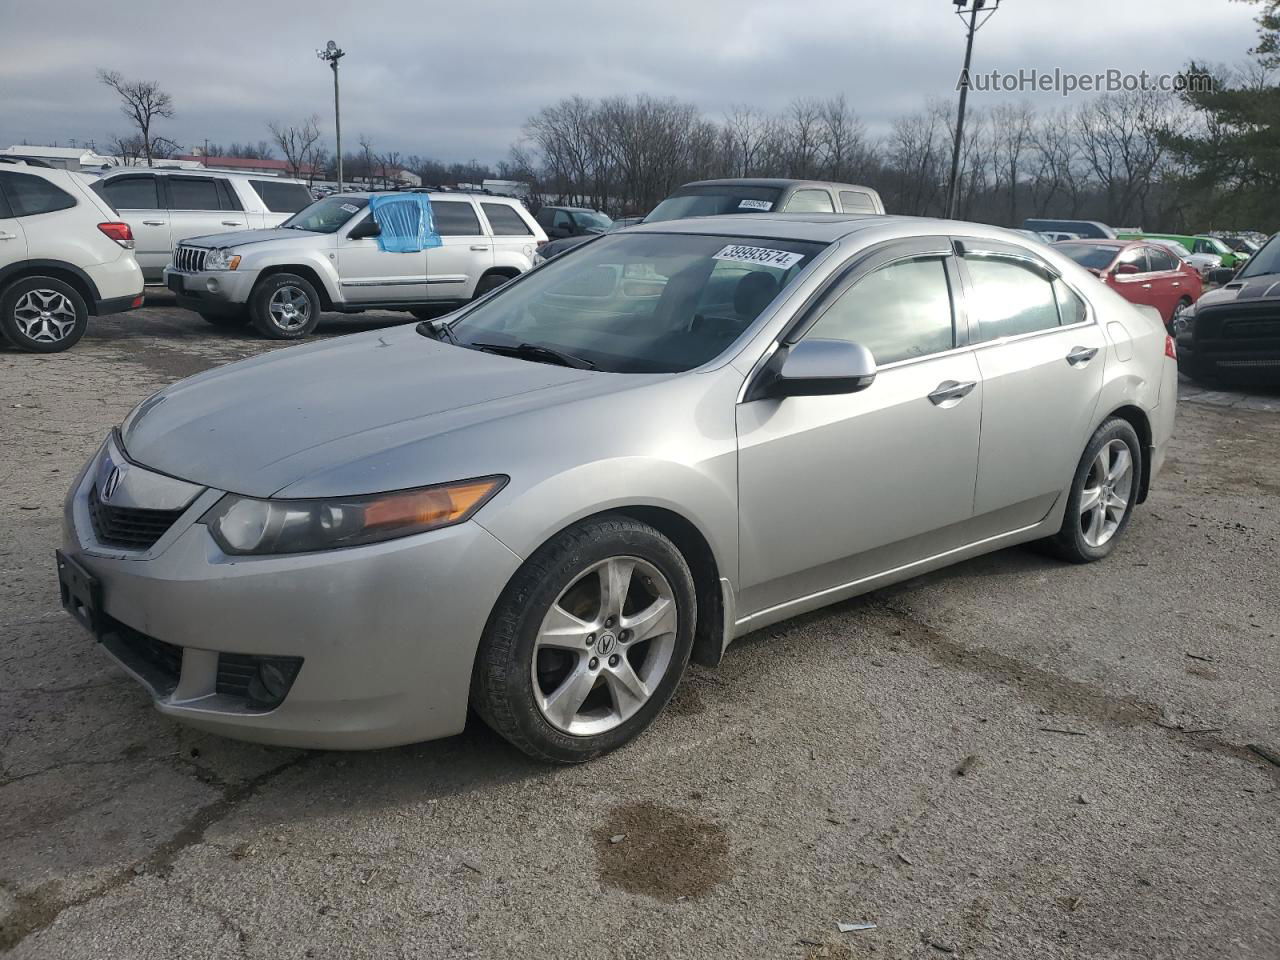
(1011, 758)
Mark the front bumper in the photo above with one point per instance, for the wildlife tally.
(223, 289)
(387, 632)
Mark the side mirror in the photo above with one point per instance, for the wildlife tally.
(366, 228)
(821, 368)
(1126, 269)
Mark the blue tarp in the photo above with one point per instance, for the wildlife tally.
(405, 220)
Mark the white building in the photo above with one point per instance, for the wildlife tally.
(68, 158)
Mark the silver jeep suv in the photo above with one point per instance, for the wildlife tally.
(327, 258)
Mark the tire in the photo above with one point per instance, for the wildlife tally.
(488, 284)
(284, 306)
(525, 678)
(1184, 304)
(43, 315)
(226, 321)
(1083, 537)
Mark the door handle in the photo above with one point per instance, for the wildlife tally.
(1079, 356)
(8, 236)
(479, 247)
(950, 392)
(153, 223)
(232, 223)
(1177, 283)
(1146, 286)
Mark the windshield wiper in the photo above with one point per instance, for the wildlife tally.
(437, 330)
(534, 351)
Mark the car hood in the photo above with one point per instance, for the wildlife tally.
(240, 238)
(1266, 287)
(259, 426)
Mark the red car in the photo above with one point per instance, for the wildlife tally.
(1141, 272)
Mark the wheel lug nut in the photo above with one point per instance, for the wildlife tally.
(591, 638)
(595, 662)
(624, 635)
(613, 661)
(609, 622)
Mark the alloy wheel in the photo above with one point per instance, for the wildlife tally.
(290, 309)
(604, 646)
(1108, 488)
(45, 316)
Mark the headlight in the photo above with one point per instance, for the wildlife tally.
(243, 525)
(223, 258)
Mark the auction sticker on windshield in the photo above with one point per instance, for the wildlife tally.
(755, 205)
(764, 256)
(350, 208)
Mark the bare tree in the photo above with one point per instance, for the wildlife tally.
(128, 149)
(296, 142)
(1011, 131)
(142, 102)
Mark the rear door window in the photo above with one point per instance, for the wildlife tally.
(810, 201)
(194, 193)
(505, 221)
(130, 193)
(455, 218)
(282, 197)
(1009, 298)
(30, 196)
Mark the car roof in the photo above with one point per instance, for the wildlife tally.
(199, 172)
(779, 182)
(430, 194)
(574, 209)
(825, 227)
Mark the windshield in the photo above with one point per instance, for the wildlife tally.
(327, 215)
(1216, 245)
(1265, 261)
(713, 201)
(1089, 255)
(591, 220)
(639, 302)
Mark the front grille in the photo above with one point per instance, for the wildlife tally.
(1250, 329)
(128, 527)
(189, 259)
(1248, 364)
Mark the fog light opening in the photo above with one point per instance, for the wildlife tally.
(272, 680)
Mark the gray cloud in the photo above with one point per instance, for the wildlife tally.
(457, 83)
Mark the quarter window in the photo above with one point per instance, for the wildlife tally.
(506, 222)
(810, 201)
(1071, 308)
(29, 196)
(854, 202)
(130, 193)
(455, 218)
(1010, 298)
(900, 311)
(193, 193)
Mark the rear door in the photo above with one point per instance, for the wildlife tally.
(465, 252)
(513, 238)
(1041, 355)
(1167, 281)
(1135, 287)
(200, 206)
(139, 199)
(13, 240)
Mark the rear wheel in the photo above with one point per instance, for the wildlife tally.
(43, 315)
(1103, 494)
(284, 306)
(588, 642)
(488, 284)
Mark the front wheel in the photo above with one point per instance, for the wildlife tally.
(1103, 494)
(588, 642)
(284, 306)
(1180, 313)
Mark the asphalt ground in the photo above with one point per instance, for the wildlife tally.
(1010, 758)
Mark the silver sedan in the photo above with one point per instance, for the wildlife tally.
(544, 505)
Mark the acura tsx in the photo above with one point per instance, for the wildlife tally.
(542, 506)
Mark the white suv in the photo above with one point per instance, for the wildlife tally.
(64, 255)
(328, 257)
(165, 207)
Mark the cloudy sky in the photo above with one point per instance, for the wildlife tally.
(457, 81)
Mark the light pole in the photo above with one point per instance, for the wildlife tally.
(333, 53)
(971, 9)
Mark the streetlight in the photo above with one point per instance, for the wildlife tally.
(970, 9)
(333, 53)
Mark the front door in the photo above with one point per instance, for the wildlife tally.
(465, 252)
(837, 489)
(369, 274)
(1041, 356)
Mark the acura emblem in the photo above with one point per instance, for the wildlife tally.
(113, 481)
